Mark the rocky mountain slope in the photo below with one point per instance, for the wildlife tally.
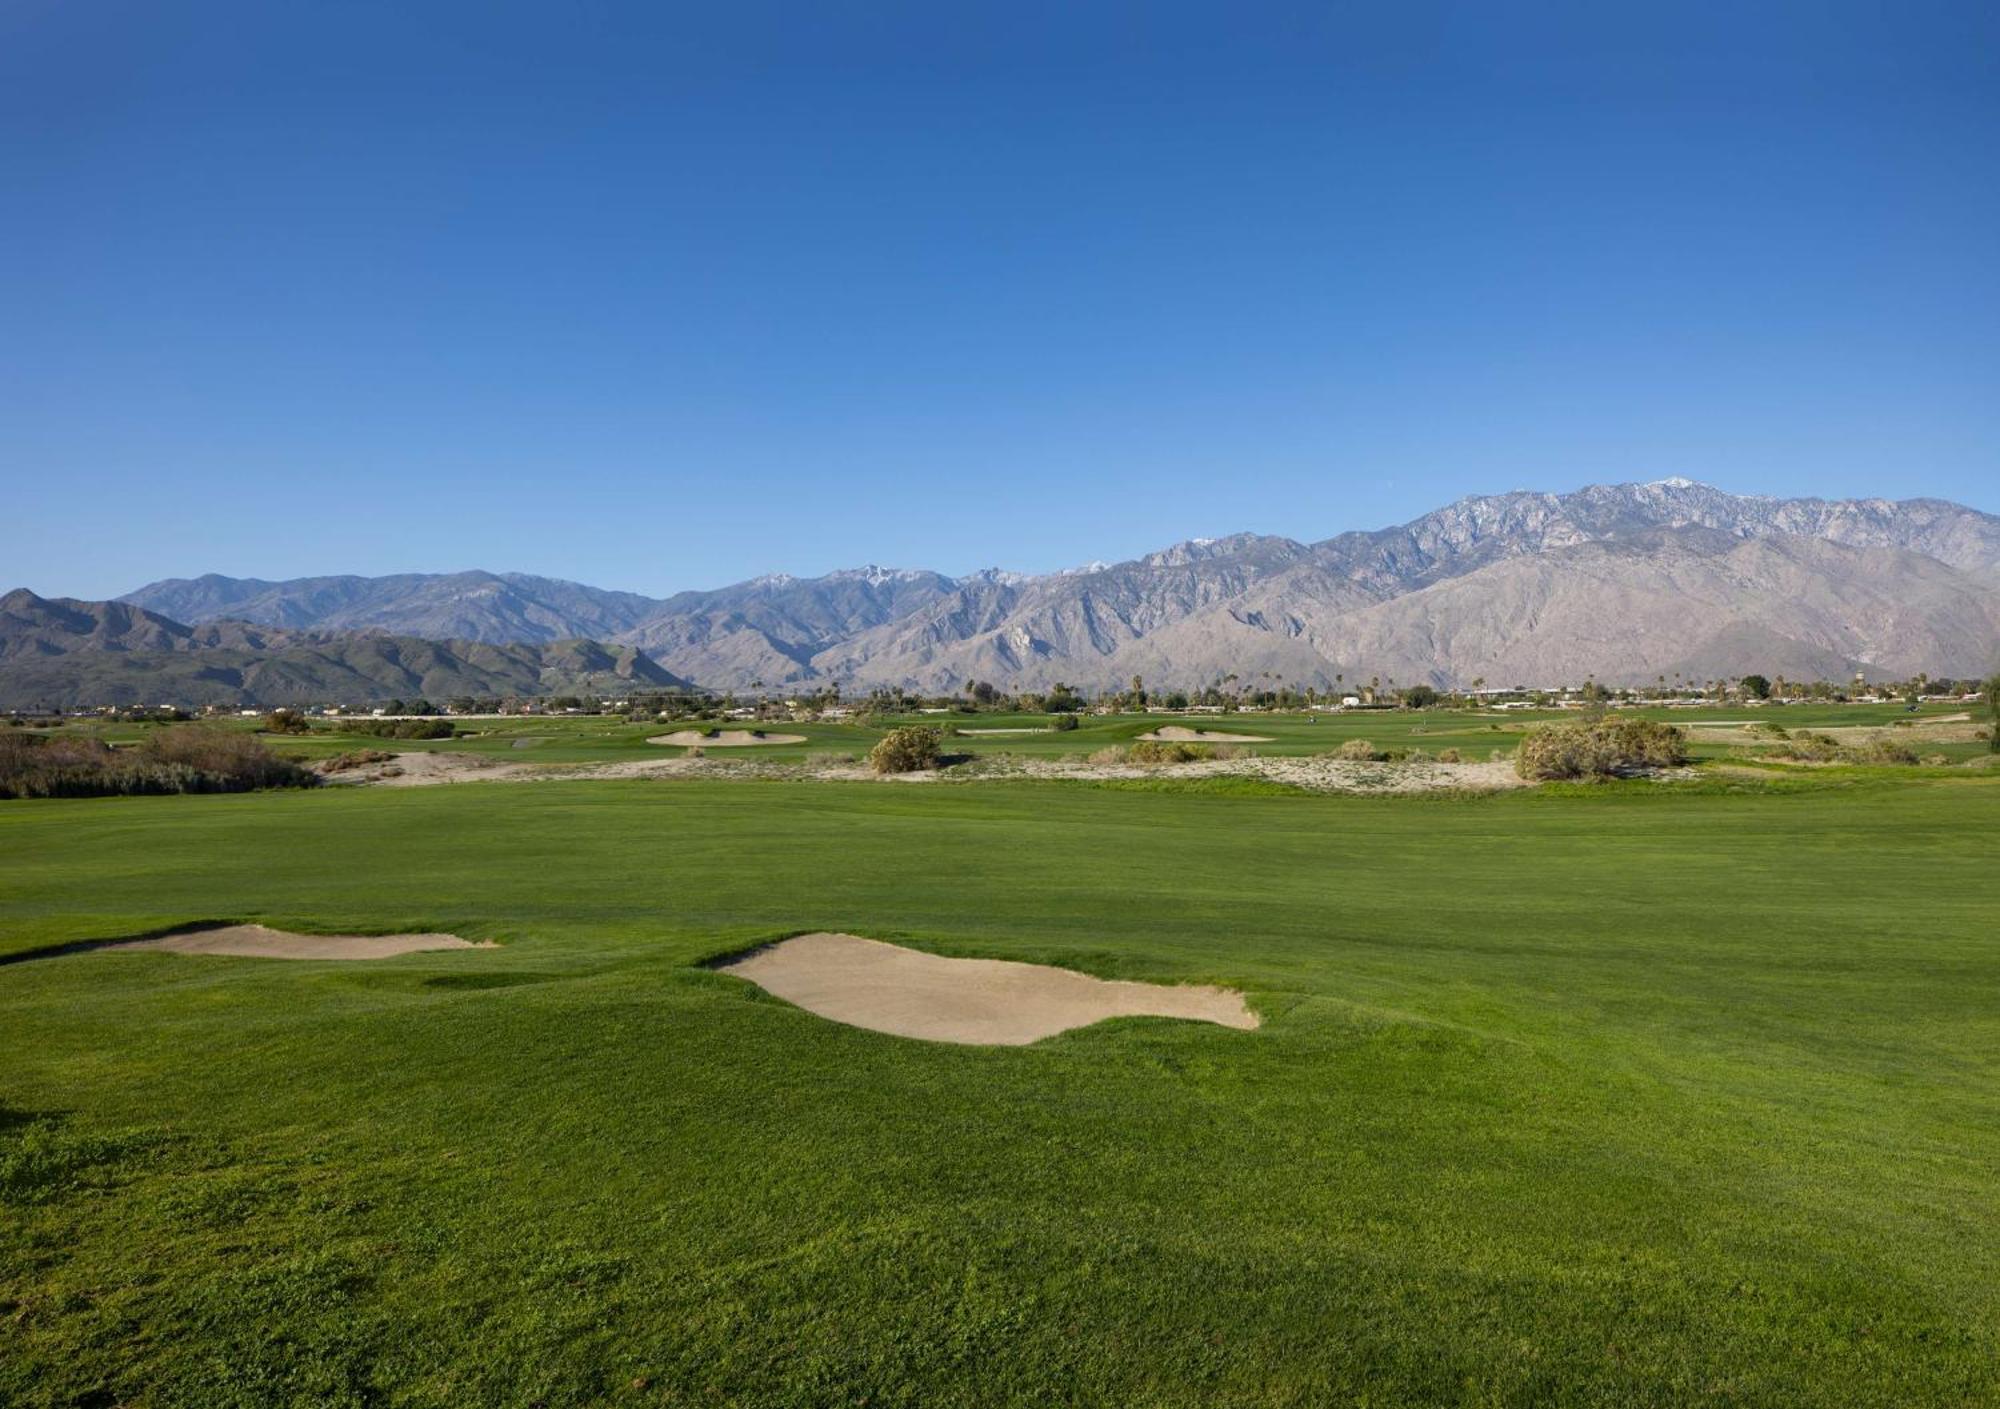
(1623, 582)
(469, 606)
(59, 653)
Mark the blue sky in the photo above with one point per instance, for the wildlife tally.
(660, 296)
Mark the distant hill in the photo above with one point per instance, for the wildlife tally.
(62, 653)
(469, 606)
(1623, 582)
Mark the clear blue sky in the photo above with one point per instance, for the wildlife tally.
(658, 296)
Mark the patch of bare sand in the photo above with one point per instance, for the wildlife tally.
(420, 769)
(257, 942)
(1180, 734)
(1030, 729)
(887, 988)
(724, 739)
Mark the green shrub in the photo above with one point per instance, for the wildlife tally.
(286, 721)
(911, 749)
(399, 728)
(1063, 723)
(1601, 748)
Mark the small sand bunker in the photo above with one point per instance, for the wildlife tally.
(725, 739)
(257, 942)
(1177, 734)
(885, 987)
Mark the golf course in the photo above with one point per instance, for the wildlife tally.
(1636, 1093)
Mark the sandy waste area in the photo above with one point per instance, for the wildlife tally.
(1315, 774)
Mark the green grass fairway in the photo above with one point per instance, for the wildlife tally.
(1622, 1096)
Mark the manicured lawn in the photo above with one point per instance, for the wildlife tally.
(1626, 1096)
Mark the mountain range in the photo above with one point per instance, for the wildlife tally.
(1625, 583)
(59, 653)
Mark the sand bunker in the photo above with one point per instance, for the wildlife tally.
(726, 739)
(257, 942)
(1030, 729)
(1176, 734)
(865, 983)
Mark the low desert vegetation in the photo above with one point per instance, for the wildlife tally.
(1360, 751)
(1805, 746)
(191, 758)
(1891, 751)
(356, 758)
(1604, 748)
(910, 749)
(1148, 752)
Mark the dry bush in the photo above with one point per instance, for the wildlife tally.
(1359, 751)
(1881, 751)
(1600, 749)
(222, 760)
(357, 758)
(1150, 752)
(911, 749)
(1450, 756)
(193, 758)
(1808, 747)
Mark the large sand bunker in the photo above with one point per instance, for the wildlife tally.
(257, 942)
(725, 739)
(865, 983)
(1177, 734)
